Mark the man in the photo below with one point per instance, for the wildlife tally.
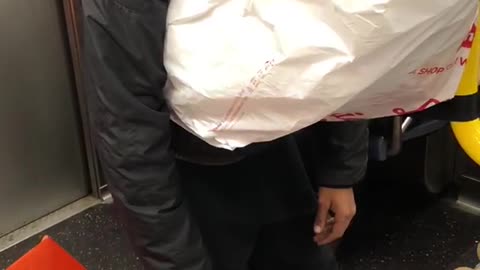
(187, 205)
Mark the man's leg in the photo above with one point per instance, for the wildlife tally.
(224, 200)
(289, 245)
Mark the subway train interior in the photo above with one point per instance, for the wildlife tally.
(418, 206)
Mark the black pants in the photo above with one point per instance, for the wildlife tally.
(257, 214)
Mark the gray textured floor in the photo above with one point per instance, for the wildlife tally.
(396, 229)
(399, 230)
(93, 237)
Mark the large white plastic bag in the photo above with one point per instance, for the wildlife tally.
(244, 71)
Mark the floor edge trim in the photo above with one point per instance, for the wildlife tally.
(11, 239)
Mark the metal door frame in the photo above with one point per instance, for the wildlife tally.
(73, 19)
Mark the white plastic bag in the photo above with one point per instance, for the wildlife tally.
(244, 71)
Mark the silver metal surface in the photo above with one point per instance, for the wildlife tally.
(42, 164)
(406, 123)
(396, 141)
(468, 195)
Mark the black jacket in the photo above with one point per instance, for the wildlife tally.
(125, 76)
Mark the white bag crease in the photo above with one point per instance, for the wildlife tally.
(246, 71)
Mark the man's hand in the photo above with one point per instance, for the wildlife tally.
(336, 209)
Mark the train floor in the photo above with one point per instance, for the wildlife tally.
(398, 228)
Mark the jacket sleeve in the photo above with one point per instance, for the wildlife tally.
(341, 153)
(125, 76)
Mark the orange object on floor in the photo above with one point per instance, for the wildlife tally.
(47, 255)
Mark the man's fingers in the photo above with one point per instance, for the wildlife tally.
(337, 232)
(322, 217)
(327, 230)
(342, 204)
